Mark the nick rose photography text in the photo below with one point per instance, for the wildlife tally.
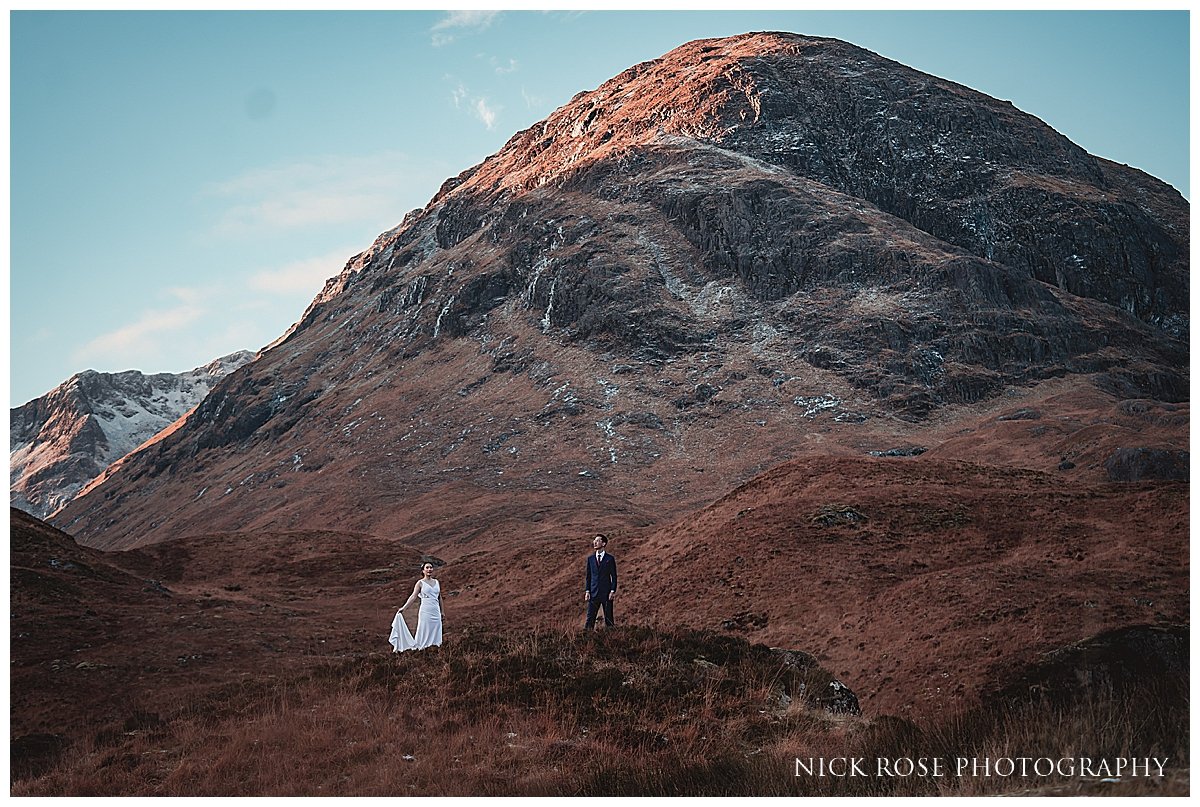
(1002, 767)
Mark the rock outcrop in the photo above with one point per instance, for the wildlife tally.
(1134, 464)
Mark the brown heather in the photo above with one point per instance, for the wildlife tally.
(633, 711)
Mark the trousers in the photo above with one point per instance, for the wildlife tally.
(594, 606)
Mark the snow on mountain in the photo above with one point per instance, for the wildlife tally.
(64, 439)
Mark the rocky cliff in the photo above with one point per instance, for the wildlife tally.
(745, 249)
(67, 437)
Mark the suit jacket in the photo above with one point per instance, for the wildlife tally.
(601, 578)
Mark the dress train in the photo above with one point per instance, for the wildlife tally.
(429, 622)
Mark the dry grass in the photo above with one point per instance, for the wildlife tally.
(627, 712)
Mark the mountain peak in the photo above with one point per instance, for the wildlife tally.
(67, 437)
(743, 249)
(774, 95)
(972, 171)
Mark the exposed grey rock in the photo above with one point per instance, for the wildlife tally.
(1022, 414)
(1135, 464)
(906, 451)
(838, 698)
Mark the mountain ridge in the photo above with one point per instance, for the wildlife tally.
(64, 439)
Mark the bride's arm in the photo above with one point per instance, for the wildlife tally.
(412, 597)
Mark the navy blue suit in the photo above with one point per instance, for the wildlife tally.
(600, 582)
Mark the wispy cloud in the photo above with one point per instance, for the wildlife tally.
(320, 191)
(532, 100)
(207, 321)
(486, 112)
(301, 277)
(141, 338)
(501, 68)
(456, 23)
(481, 107)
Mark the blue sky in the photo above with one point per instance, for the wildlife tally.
(183, 183)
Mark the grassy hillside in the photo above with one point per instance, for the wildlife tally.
(628, 712)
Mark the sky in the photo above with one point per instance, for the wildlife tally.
(183, 183)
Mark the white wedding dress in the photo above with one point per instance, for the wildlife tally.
(429, 622)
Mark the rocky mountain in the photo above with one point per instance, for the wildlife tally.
(745, 251)
(67, 437)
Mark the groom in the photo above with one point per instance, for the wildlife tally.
(600, 583)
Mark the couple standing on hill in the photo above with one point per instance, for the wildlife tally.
(599, 589)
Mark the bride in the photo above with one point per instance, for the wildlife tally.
(429, 618)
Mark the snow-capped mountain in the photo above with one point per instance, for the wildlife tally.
(64, 439)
